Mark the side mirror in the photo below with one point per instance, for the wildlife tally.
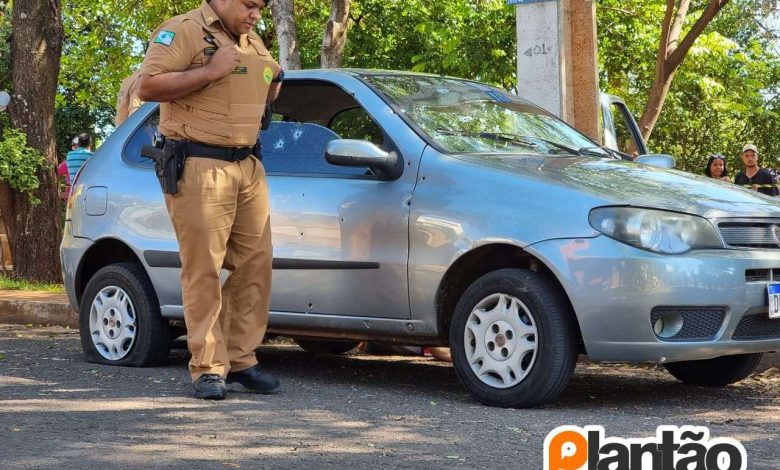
(348, 152)
(657, 159)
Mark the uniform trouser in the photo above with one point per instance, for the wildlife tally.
(222, 220)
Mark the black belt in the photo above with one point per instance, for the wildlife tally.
(229, 154)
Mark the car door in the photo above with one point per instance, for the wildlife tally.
(340, 234)
(621, 131)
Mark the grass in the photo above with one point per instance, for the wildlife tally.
(7, 283)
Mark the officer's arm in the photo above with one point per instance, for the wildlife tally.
(273, 92)
(171, 86)
(169, 73)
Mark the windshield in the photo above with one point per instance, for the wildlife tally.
(459, 116)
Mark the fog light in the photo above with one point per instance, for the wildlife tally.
(668, 325)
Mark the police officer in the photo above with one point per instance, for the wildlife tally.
(213, 76)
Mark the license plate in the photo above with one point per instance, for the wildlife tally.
(773, 290)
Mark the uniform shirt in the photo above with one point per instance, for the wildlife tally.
(226, 112)
(127, 101)
(75, 159)
(764, 180)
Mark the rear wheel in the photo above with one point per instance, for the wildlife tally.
(717, 372)
(513, 339)
(119, 319)
(316, 346)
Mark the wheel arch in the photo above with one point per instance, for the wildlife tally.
(104, 252)
(476, 263)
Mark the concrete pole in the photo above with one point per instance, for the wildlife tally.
(556, 59)
(582, 80)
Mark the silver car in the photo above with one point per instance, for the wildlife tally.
(428, 210)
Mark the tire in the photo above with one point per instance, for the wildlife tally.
(535, 316)
(315, 346)
(717, 372)
(126, 328)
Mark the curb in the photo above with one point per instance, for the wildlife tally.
(37, 308)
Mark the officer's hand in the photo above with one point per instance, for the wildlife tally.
(224, 61)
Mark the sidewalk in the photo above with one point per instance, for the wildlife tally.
(43, 308)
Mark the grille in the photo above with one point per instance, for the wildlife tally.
(750, 234)
(757, 326)
(762, 275)
(700, 324)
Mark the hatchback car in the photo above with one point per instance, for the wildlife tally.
(429, 210)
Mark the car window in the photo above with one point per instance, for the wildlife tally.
(356, 124)
(308, 114)
(459, 116)
(141, 136)
(299, 147)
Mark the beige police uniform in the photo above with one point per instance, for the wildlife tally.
(221, 211)
(127, 101)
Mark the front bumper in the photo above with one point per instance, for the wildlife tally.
(614, 288)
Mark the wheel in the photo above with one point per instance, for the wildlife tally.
(316, 346)
(513, 339)
(119, 319)
(717, 372)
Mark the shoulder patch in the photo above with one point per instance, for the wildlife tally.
(165, 38)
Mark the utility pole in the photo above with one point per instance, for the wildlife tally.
(556, 59)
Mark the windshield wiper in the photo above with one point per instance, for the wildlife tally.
(526, 140)
(499, 136)
(598, 152)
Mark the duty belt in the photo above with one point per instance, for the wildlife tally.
(228, 154)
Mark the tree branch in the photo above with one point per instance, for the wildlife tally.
(677, 56)
(665, 28)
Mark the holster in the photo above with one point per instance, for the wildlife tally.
(168, 163)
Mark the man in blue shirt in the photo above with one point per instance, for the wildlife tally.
(77, 157)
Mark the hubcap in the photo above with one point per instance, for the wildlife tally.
(112, 323)
(501, 340)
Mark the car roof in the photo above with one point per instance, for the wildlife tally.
(320, 73)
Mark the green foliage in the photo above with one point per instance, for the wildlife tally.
(462, 38)
(724, 94)
(18, 162)
(5, 46)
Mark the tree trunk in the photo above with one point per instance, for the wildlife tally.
(335, 35)
(671, 53)
(283, 12)
(34, 231)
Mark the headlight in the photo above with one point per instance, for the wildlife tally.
(655, 230)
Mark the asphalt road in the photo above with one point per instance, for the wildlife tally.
(334, 412)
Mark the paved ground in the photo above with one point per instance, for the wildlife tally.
(357, 411)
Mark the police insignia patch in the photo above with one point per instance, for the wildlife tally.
(165, 38)
(268, 75)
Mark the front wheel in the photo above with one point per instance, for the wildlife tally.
(717, 372)
(119, 319)
(513, 339)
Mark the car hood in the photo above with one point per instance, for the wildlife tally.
(617, 182)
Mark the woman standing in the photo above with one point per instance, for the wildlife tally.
(716, 168)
